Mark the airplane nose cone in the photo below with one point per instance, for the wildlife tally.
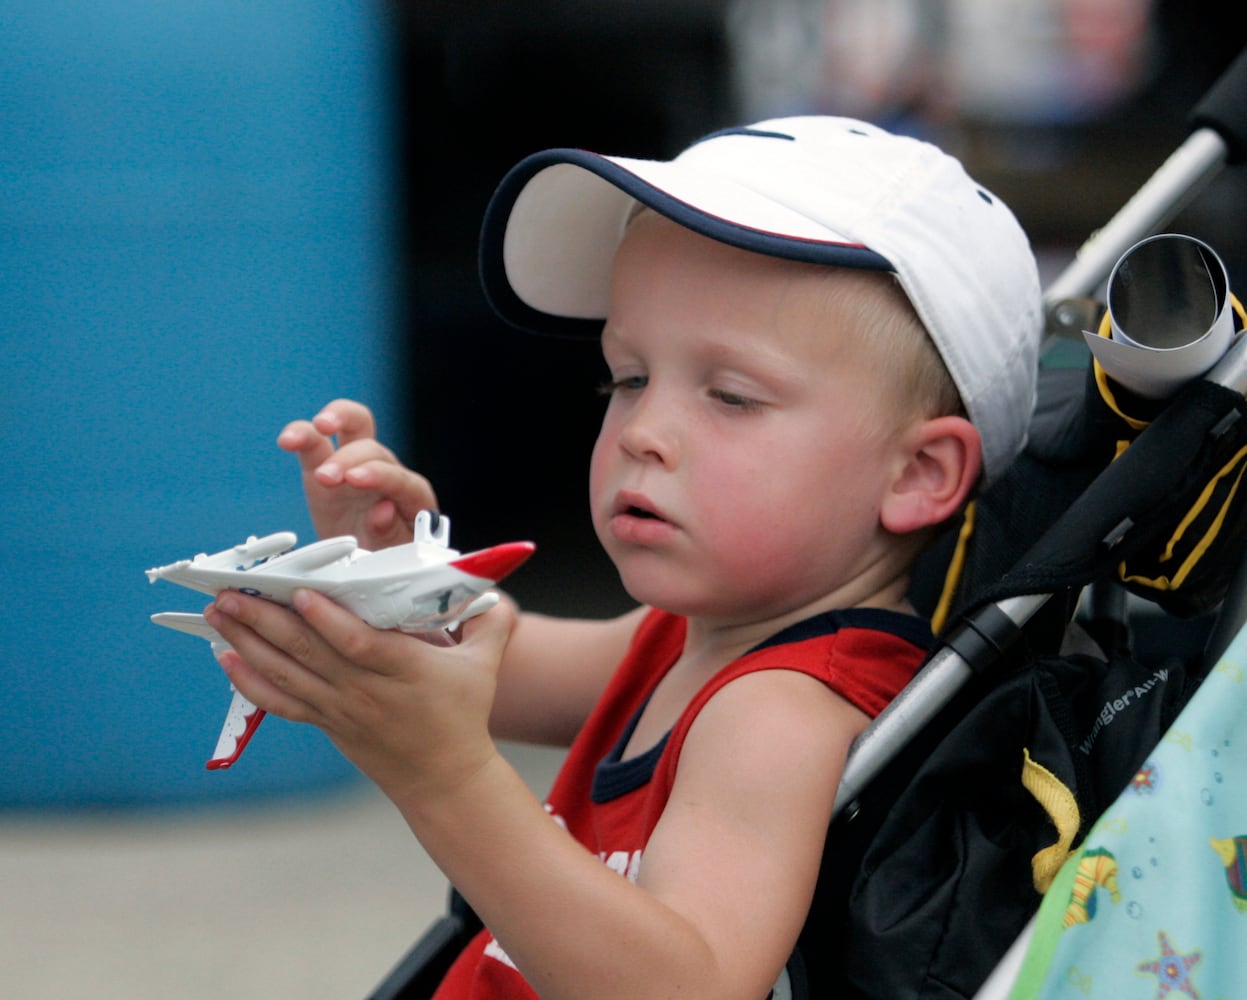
(496, 562)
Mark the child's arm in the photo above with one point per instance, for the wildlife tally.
(726, 877)
(553, 673)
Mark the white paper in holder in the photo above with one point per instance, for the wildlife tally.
(1170, 315)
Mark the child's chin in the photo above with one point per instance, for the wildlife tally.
(664, 592)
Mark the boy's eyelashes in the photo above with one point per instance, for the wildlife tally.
(611, 386)
(633, 383)
(734, 400)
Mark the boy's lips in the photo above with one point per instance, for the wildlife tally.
(636, 505)
(634, 518)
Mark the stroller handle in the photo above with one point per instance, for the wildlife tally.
(1224, 109)
(933, 687)
(1219, 137)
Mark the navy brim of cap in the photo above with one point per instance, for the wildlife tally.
(514, 310)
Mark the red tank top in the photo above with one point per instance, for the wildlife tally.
(611, 805)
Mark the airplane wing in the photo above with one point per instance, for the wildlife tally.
(242, 556)
(243, 718)
(191, 624)
(276, 579)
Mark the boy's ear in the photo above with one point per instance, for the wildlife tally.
(941, 465)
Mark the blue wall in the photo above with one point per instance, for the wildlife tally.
(196, 228)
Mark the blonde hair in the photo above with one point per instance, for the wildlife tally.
(898, 351)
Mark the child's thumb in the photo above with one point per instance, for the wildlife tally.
(491, 631)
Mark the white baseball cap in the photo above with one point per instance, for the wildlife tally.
(819, 189)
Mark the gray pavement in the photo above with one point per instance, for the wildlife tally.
(316, 897)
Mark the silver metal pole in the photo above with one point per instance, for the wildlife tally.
(1174, 184)
(932, 688)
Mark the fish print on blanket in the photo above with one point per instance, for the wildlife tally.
(1154, 904)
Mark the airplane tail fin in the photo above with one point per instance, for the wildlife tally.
(241, 722)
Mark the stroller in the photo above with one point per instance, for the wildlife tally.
(938, 856)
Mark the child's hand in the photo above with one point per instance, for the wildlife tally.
(356, 486)
(412, 716)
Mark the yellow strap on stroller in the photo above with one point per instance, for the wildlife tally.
(952, 578)
(1235, 469)
(1199, 528)
(1062, 808)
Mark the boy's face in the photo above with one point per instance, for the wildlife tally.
(745, 450)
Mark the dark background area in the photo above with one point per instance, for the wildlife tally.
(503, 422)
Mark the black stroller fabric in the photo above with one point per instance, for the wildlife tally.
(950, 878)
(960, 835)
(1162, 512)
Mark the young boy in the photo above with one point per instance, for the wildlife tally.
(818, 336)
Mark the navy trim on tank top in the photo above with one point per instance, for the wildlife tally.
(615, 777)
(914, 630)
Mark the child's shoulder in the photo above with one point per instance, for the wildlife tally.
(864, 655)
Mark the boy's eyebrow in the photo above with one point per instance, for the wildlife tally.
(761, 360)
(753, 359)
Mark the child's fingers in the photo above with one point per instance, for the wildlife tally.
(408, 490)
(358, 453)
(314, 440)
(310, 446)
(347, 419)
(261, 692)
(350, 638)
(488, 634)
(275, 640)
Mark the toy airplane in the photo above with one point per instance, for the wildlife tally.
(425, 588)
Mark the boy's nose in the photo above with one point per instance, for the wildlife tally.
(651, 431)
